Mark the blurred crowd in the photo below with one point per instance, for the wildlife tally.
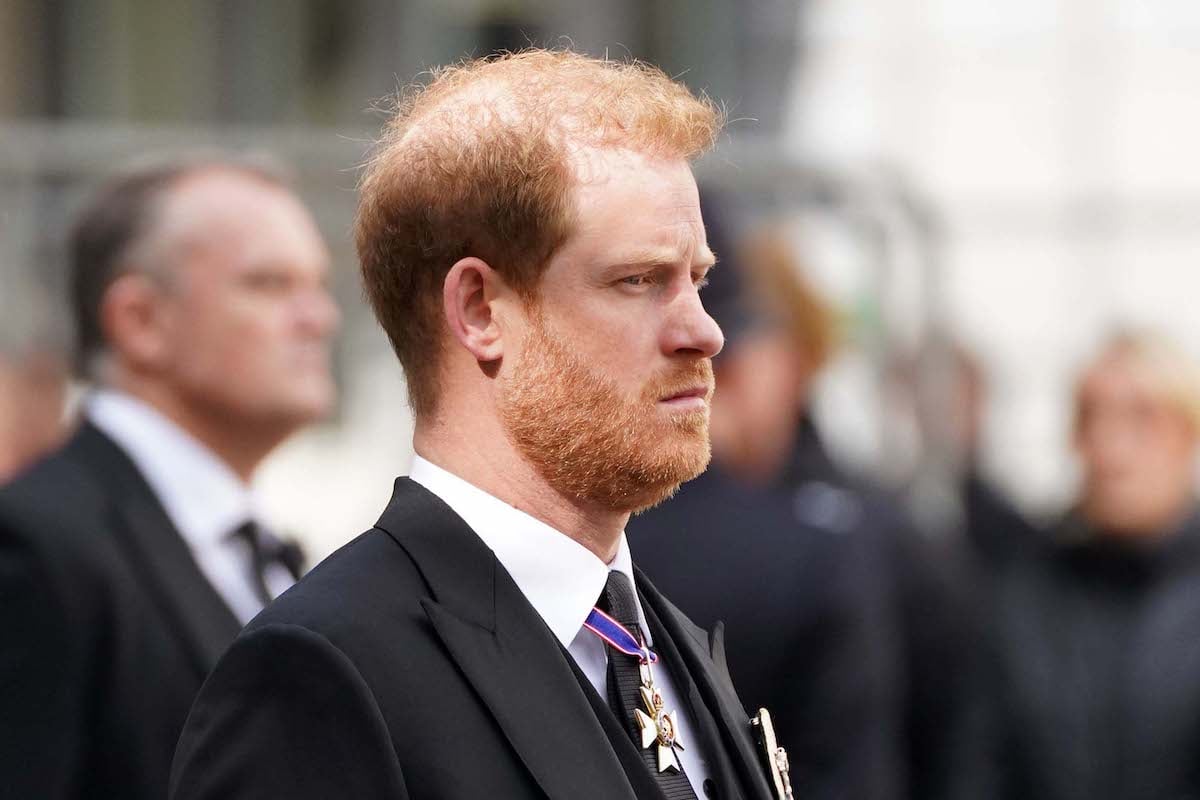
(1005, 658)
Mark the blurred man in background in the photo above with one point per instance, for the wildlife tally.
(837, 622)
(950, 394)
(1097, 681)
(130, 558)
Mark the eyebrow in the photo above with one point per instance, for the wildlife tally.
(650, 259)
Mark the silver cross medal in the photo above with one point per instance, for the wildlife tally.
(657, 726)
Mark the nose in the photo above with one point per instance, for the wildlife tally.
(691, 329)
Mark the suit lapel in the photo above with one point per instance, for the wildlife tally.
(715, 690)
(159, 555)
(716, 642)
(505, 651)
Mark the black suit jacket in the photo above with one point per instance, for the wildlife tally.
(409, 665)
(108, 628)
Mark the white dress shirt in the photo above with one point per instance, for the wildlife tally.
(204, 499)
(562, 580)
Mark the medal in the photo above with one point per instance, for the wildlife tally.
(658, 727)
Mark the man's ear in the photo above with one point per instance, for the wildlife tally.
(132, 321)
(469, 296)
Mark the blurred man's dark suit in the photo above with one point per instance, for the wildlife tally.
(410, 665)
(836, 623)
(108, 628)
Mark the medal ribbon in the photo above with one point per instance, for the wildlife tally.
(618, 636)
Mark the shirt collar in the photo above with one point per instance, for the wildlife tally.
(559, 577)
(203, 497)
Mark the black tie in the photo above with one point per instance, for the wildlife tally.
(266, 550)
(624, 681)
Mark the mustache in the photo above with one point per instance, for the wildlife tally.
(681, 379)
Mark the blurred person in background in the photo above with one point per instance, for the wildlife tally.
(838, 624)
(33, 391)
(131, 557)
(949, 388)
(34, 366)
(1097, 672)
(995, 529)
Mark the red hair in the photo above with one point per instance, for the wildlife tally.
(477, 163)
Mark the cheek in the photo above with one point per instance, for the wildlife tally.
(1169, 451)
(617, 346)
(768, 373)
(227, 341)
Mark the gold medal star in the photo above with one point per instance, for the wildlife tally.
(667, 758)
(649, 729)
(660, 728)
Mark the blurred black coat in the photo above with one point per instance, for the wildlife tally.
(837, 621)
(108, 629)
(1097, 672)
(995, 530)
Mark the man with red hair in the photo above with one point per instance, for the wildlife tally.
(531, 242)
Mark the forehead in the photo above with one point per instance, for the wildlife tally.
(239, 216)
(1108, 374)
(632, 207)
(1121, 378)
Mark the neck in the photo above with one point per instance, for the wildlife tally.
(240, 444)
(499, 470)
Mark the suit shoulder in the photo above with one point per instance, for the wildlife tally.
(369, 576)
(365, 602)
(52, 482)
(55, 561)
(310, 713)
(54, 507)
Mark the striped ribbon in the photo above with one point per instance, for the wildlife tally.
(618, 636)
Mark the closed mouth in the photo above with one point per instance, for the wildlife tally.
(700, 392)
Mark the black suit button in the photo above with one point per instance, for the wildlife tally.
(710, 788)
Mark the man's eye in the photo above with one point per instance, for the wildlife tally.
(636, 280)
(700, 282)
(266, 281)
